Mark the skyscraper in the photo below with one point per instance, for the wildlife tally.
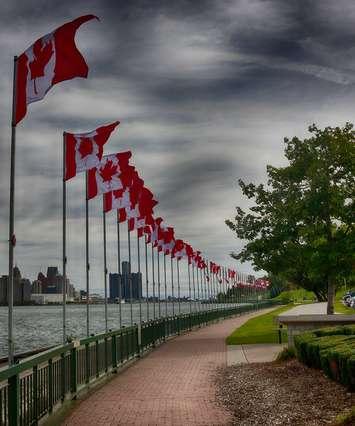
(117, 280)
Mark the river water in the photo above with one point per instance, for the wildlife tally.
(41, 326)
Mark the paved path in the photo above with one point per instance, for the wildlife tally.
(247, 354)
(173, 385)
(308, 309)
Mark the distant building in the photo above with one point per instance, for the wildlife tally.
(36, 287)
(122, 281)
(21, 289)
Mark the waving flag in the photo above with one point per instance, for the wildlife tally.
(50, 60)
(83, 151)
(106, 176)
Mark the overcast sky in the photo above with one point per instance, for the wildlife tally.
(205, 92)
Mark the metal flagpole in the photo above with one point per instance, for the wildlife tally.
(130, 275)
(87, 266)
(178, 282)
(12, 238)
(172, 283)
(159, 307)
(119, 272)
(198, 290)
(153, 279)
(139, 280)
(189, 278)
(105, 268)
(146, 275)
(206, 287)
(202, 290)
(165, 288)
(193, 285)
(64, 284)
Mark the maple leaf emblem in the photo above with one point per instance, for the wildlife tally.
(85, 147)
(42, 54)
(108, 171)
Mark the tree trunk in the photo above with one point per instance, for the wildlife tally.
(331, 296)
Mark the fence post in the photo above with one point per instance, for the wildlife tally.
(14, 400)
(114, 351)
(50, 386)
(73, 371)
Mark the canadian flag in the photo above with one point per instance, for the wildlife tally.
(83, 151)
(50, 60)
(106, 176)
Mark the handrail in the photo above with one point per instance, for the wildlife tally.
(39, 384)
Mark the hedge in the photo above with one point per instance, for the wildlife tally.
(331, 349)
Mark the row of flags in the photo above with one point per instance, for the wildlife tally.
(55, 58)
(124, 191)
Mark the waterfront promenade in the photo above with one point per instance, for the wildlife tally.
(172, 385)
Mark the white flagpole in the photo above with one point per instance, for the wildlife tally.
(159, 307)
(153, 279)
(178, 283)
(119, 272)
(172, 283)
(165, 288)
(189, 279)
(146, 275)
(10, 283)
(139, 279)
(193, 285)
(130, 275)
(87, 255)
(105, 268)
(64, 284)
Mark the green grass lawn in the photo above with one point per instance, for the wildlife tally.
(261, 329)
(298, 295)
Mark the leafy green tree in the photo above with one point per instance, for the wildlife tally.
(301, 224)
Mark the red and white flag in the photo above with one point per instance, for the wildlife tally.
(83, 151)
(50, 60)
(106, 176)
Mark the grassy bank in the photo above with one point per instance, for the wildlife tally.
(261, 329)
(296, 296)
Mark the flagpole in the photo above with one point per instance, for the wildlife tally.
(198, 290)
(189, 279)
(172, 283)
(87, 255)
(165, 288)
(139, 280)
(146, 275)
(130, 274)
(206, 288)
(159, 307)
(119, 280)
(12, 240)
(178, 283)
(153, 279)
(105, 267)
(193, 285)
(64, 284)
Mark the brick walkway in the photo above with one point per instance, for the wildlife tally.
(173, 385)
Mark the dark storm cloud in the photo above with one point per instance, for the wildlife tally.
(205, 92)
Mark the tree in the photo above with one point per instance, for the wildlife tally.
(301, 224)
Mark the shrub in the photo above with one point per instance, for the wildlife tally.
(286, 354)
(331, 349)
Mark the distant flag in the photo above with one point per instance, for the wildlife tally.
(50, 60)
(83, 151)
(106, 176)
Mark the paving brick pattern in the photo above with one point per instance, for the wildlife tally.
(173, 385)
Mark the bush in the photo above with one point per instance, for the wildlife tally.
(286, 354)
(330, 349)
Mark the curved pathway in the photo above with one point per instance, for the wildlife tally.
(172, 385)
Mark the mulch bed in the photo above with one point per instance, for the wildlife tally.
(281, 393)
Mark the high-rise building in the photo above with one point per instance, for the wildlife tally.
(21, 289)
(123, 280)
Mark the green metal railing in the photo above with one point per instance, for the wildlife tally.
(39, 385)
